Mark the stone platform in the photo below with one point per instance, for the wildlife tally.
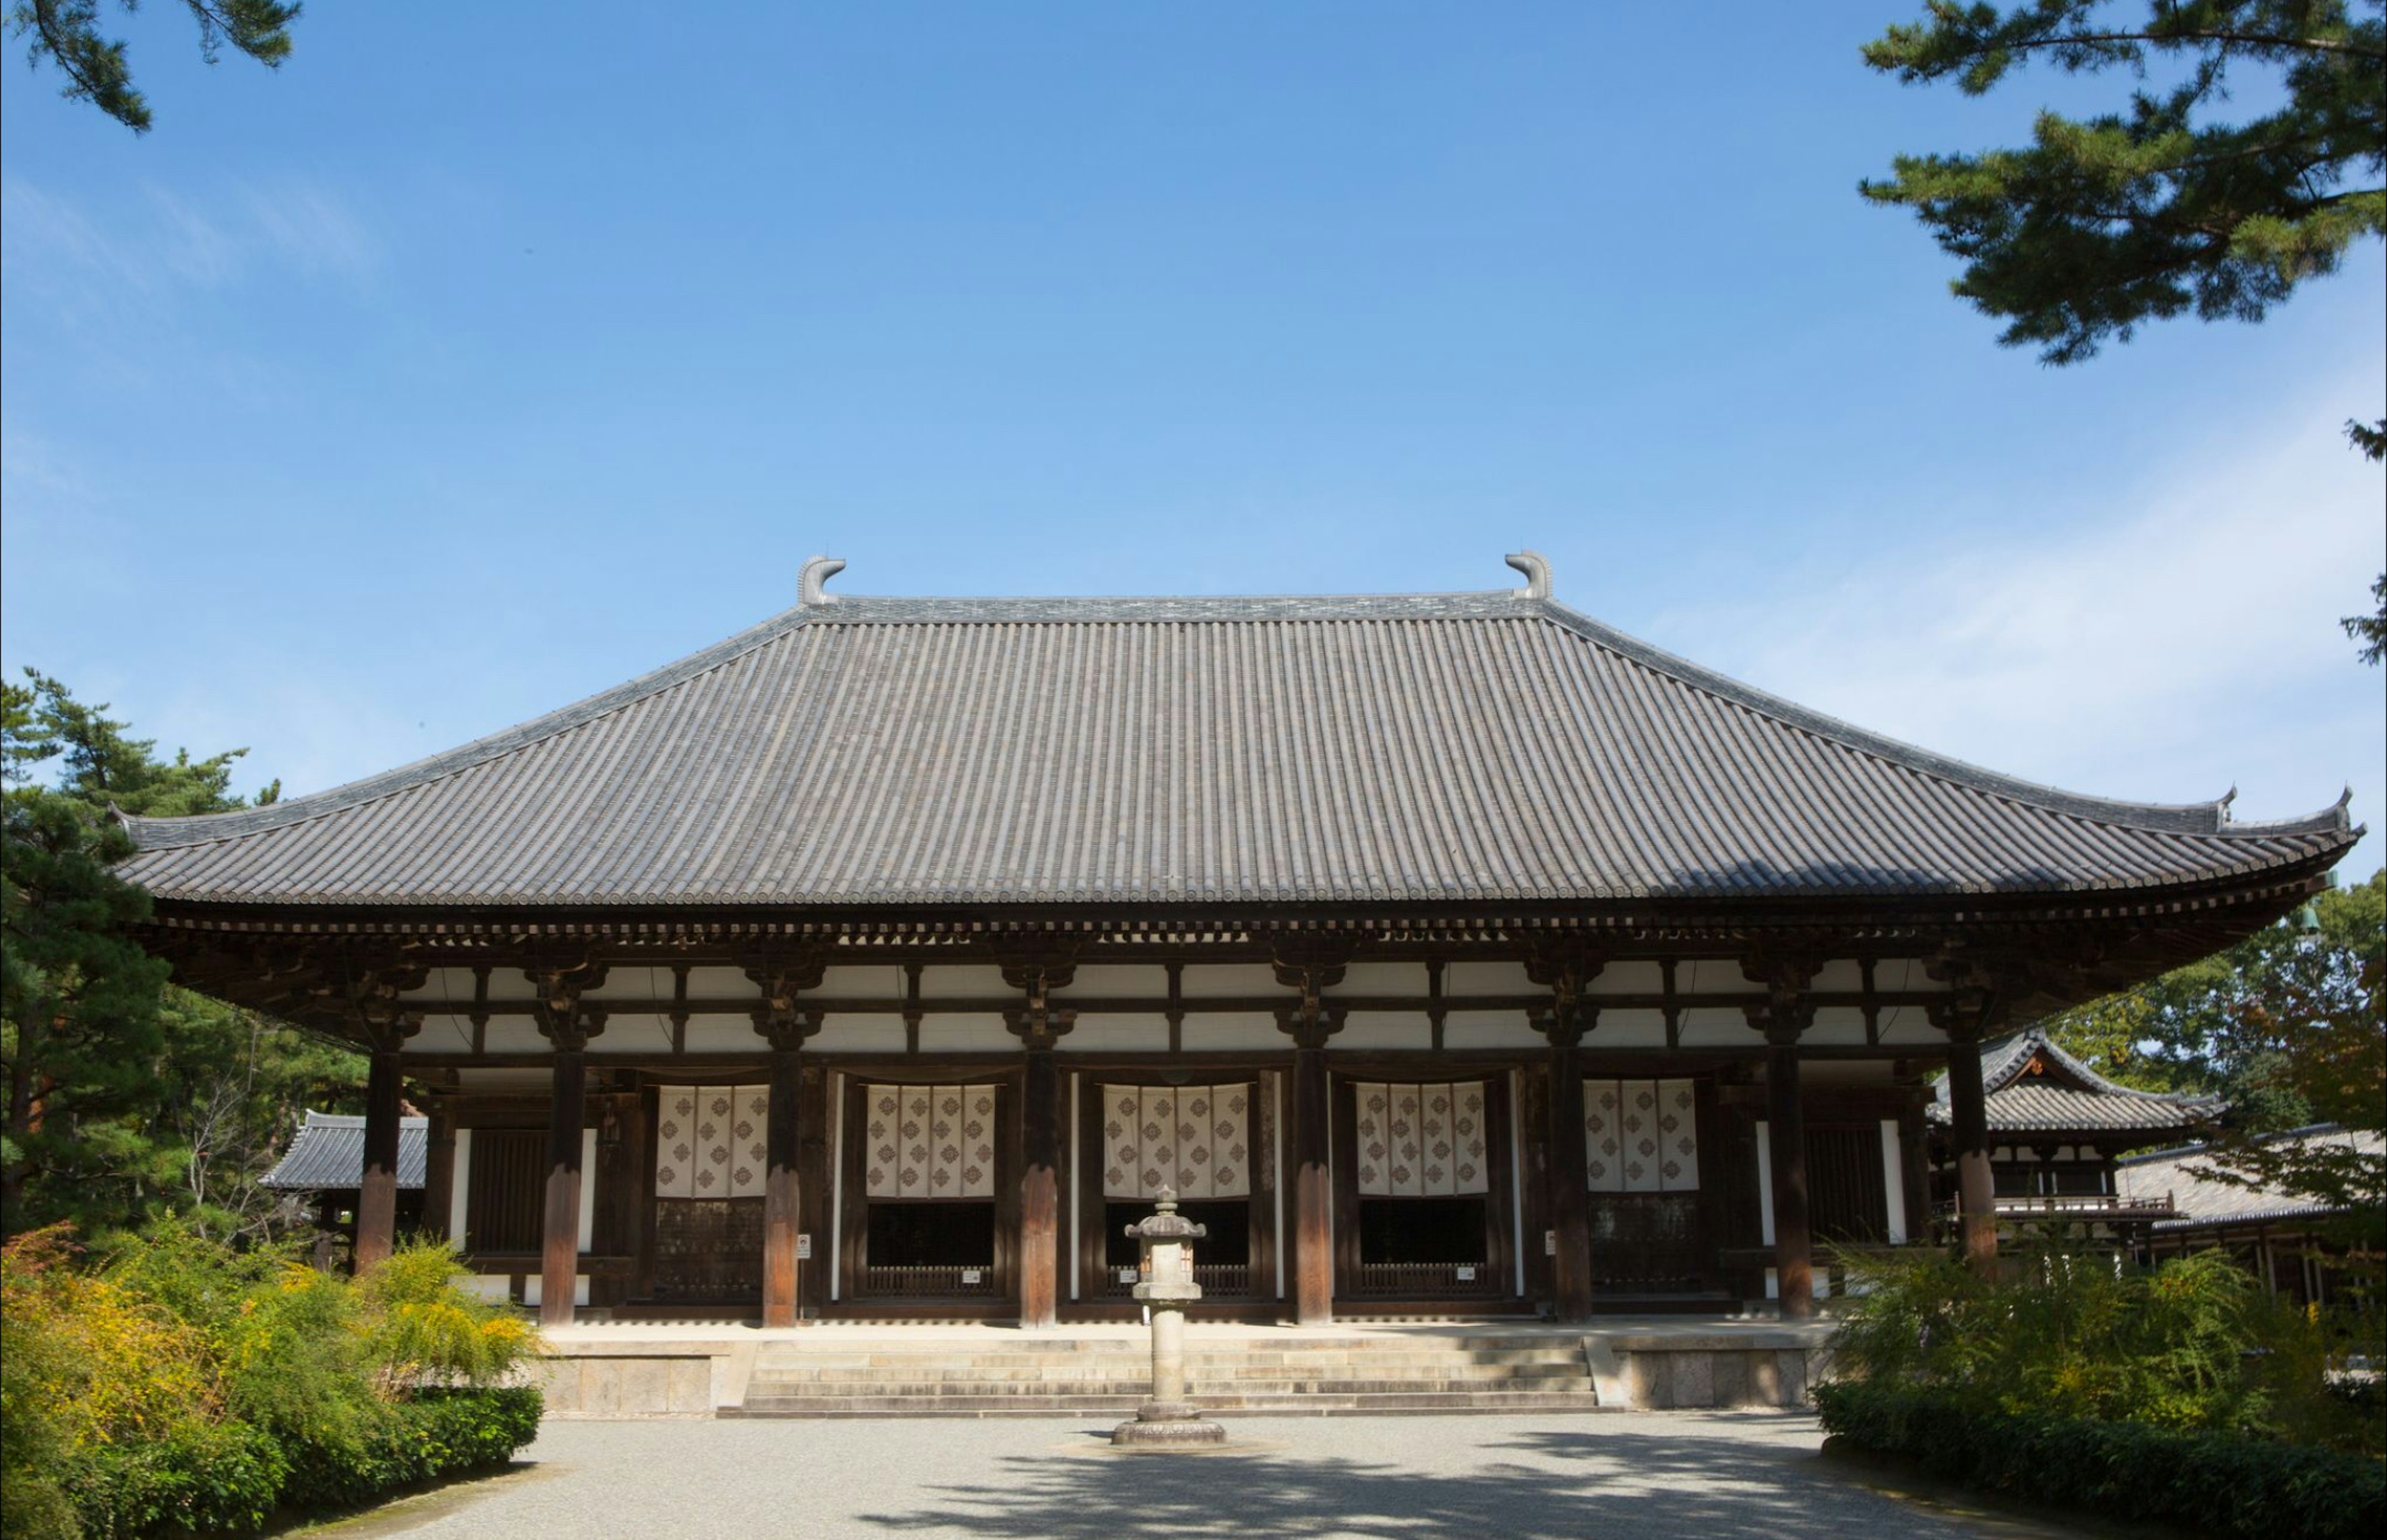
(648, 1369)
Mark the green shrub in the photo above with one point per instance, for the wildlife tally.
(187, 1389)
(438, 1433)
(202, 1479)
(2218, 1484)
(2072, 1334)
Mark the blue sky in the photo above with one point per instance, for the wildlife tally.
(469, 364)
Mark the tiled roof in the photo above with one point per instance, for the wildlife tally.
(328, 1153)
(2203, 1203)
(2066, 1094)
(1460, 747)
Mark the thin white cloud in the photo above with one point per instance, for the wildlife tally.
(85, 259)
(2170, 642)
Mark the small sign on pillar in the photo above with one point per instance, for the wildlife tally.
(804, 1247)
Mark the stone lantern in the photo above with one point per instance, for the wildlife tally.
(1166, 1285)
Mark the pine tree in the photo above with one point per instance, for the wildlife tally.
(2102, 224)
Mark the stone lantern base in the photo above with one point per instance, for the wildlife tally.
(1177, 1424)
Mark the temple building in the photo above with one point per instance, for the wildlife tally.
(1447, 953)
(2058, 1131)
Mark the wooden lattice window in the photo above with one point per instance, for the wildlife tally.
(503, 1211)
(1845, 1200)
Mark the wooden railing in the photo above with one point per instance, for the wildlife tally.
(1424, 1280)
(2082, 1205)
(928, 1283)
(2069, 1205)
(1217, 1280)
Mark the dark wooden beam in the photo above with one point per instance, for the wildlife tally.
(813, 1190)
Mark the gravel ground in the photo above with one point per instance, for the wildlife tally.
(1638, 1475)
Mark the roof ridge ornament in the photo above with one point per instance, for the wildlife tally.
(815, 575)
(1536, 568)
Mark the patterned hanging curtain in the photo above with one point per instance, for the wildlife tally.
(1420, 1141)
(1195, 1139)
(711, 1141)
(929, 1142)
(1641, 1136)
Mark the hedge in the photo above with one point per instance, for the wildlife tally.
(229, 1478)
(2214, 1484)
(439, 1433)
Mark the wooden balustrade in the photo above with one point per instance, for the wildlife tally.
(928, 1283)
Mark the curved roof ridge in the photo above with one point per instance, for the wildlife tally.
(159, 834)
(2162, 817)
(2019, 1047)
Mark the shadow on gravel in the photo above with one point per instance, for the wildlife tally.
(1564, 1486)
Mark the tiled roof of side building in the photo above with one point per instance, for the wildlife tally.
(2203, 1202)
(2066, 1094)
(327, 1153)
(1461, 747)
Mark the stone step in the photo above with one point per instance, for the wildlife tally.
(1572, 1354)
(1128, 1369)
(1124, 1406)
(1201, 1390)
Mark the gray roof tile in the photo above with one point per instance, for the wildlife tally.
(1457, 746)
(2202, 1202)
(328, 1153)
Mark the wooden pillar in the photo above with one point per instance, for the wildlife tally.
(559, 1252)
(782, 1189)
(1793, 1247)
(1040, 1190)
(377, 1195)
(1569, 1189)
(439, 1172)
(812, 1193)
(1968, 1118)
(1313, 1230)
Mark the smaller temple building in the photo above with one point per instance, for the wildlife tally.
(2279, 1236)
(2058, 1133)
(324, 1166)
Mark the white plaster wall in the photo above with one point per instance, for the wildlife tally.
(1232, 1032)
(1715, 975)
(1383, 1029)
(718, 983)
(1381, 979)
(1214, 981)
(1836, 1025)
(879, 981)
(1486, 978)
(1633, 1029)
(1905, 974)
(1717, 1027)
(1633, 977)
(507, 1079)
(1489, 1029)
(632, 1032)
(1908, 1023)
(858, 1034)
(963, 982)
(644, 986)
(721, 1034)
(442, 1034)
(1131, 980)
(1840, 973)
(1118, 1034)
(967, 1033)
(515, 1034)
